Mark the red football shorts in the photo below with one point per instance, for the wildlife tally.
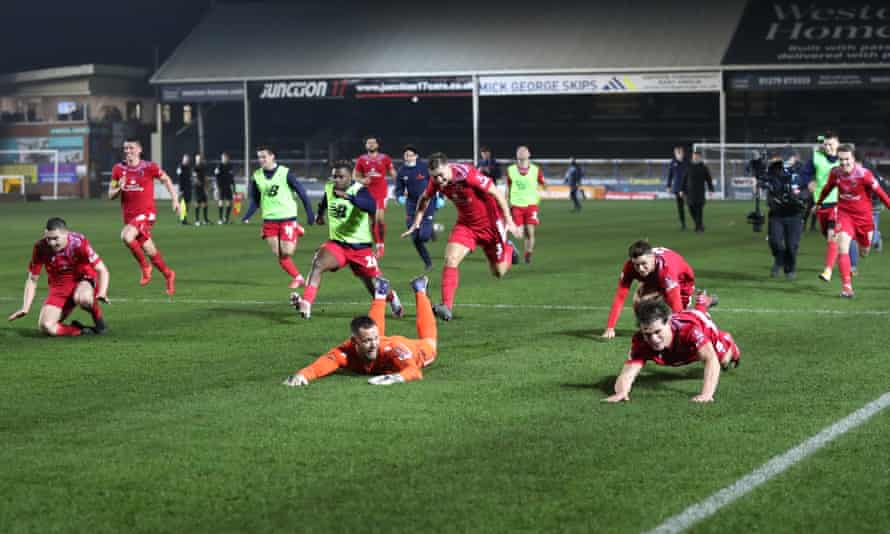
(493, 240)
(61, 294)
(858, 228)
(360, 260)
(523, 215)
(725, 345)
(379, 194)
(143, 223)
(827, 218)
(284, 230)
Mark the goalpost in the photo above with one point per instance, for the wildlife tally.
(734, 159)
(34, 157)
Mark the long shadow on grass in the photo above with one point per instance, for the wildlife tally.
(273, 316)
(647, 380)
(595, 335)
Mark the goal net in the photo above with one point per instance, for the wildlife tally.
(30, 171)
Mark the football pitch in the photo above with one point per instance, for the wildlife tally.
(176, 419)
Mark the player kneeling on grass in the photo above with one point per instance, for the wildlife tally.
(677, 339)
(74, 270)
(393, 359)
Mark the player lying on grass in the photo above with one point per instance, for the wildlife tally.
(393, 359)
(677, 339)
(74, 271)
(661, 273)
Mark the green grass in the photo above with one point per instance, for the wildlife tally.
(176, 420)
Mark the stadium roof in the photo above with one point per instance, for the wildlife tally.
(343, 39)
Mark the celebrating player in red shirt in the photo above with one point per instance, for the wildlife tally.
(134, 180)
(371, 170)
(677, 339)
(394, 359)
(853, 218)
(661, 272)
(483, 219)
(74, 270)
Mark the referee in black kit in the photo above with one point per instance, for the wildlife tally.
(225, 185)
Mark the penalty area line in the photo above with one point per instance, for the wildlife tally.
(503, 306)
(776, 466)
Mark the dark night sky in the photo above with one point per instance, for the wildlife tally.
(56, 33)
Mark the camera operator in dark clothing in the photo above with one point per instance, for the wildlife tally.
(787, 211)
(694, 181)
(675, 171)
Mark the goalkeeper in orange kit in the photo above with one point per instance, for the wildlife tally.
(392, 359)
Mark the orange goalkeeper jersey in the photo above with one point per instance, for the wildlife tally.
(396, 354)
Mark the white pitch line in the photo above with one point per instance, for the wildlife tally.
(552, 307)
(772, 468)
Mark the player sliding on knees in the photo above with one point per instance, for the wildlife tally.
(673, 340)
(661, 273)
(272, 187)
(393, 359)
(77, 278)
(483, 219)
(853, 217)
(134, 180)
(350, 209)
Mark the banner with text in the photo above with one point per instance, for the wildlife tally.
(205, 92)
(812, 32)
(807, 80)
(360, 89)
(589, 84)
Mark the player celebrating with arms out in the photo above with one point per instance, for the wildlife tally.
(350, 209)
(134, 181)
(853, 219)
(677, 339)
(271, 186)
(483, 219)
(661, 272)
(523, 179)
(74, 270)
(371, 170)
(394, 359)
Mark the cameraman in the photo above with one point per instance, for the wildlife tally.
(787, 205)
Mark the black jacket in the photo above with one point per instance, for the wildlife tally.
(697, 176)
(784, 193)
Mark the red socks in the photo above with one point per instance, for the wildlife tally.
(831, 254)
(288, 265)
(449, 285)
(309, 293)
(158, 262)
(96, 311)
(844, 264)
(63, 329)
(136, 249)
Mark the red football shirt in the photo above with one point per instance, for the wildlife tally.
(375, 169)
(469, 190)
(137, 187)
(671, 271)
(692, 330)
(854, 191)
(62, 268)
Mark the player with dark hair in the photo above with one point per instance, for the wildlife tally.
(411, 181)
(225, 185)
(133, 180)
(675, 339)
(852, 213)
(483, 219)
(393, 359)
(371, 169)
(350, 211)
(77, 278)
(273, 186)
(661, 273)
